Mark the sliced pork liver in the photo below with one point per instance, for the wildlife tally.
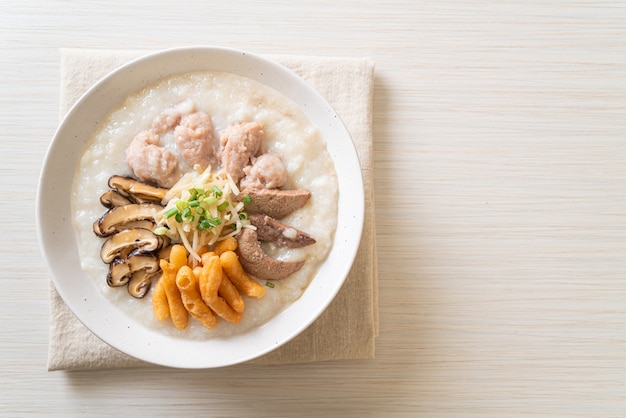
(260, 265)
(275, 203)
(270, 230)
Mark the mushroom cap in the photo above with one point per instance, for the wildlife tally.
(119, 273)
(140, 282)
(135, 238)
(137, 190)
(126, 217)
(112, 198)
(122, 268)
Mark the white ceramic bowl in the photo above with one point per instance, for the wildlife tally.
(58, 242)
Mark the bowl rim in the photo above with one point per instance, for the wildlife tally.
(54, 242)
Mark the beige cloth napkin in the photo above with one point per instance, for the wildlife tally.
(347, 329)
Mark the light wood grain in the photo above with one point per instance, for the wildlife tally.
(500, 150)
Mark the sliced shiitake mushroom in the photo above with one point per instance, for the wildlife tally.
(112, 198)
(140, 283)
(136, 190)
(146, 224)
(256, 262)
(135, 238)
(126, 217)
(118, 274)
(122, 269)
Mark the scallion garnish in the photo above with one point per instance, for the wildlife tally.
(209, 207)
(216, 191)
(171, 212)
(187, 214)
(182, 205)
(204, 224)
(161, 230)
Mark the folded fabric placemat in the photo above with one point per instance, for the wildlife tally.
(349, 326)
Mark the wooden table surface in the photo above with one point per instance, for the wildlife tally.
(500, 173)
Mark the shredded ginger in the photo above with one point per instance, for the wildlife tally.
(199, 210)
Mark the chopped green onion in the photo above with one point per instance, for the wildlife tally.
(187, 214)
(204, 209)
(204, 224)
(196, 192)
(181, 205)
(170, 212)
(269, 284)
(161, 230)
